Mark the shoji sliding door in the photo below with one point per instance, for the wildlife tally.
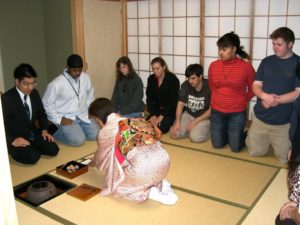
(186, 31)
(269, 15)
(168, 28)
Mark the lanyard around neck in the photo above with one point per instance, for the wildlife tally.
(77, 93)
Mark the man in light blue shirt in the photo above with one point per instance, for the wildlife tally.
(66, 101)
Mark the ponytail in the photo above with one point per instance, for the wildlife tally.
(241, 53)
(233, 40)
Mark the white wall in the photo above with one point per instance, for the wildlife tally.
(1, 74)
(8, 215)
(102, 36)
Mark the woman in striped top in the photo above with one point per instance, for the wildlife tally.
(230, 80)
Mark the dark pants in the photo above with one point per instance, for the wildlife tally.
(32, 153)
(228, 128)
(165, 124)
(284, 222)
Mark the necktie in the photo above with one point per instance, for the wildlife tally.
(26, 107)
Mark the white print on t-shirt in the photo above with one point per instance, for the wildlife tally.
(195, 103)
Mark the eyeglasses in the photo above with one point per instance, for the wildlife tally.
(26, 84)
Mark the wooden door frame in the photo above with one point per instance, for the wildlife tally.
(78, 29)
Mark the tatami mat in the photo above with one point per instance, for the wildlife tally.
(225, 178)
(21, 173)
(29, 216)
(268, 159)
(190, 209)
(215, 187)
(267, 208)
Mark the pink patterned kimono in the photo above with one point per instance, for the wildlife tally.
(143, 167)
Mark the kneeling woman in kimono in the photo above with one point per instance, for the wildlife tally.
(131, 157)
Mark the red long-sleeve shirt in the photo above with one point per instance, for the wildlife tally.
(230, 84)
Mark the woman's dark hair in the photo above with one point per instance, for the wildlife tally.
(295, 156)
(162, 62)
(192, 69)
(285, 33)
(101, 108)
(24, 70)
(293, 164)
(232, 40)
(75, 61)
(126, 61)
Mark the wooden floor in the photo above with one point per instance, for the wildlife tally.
(215, 187)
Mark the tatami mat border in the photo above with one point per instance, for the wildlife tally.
(247, 208)
(46, 212)
(54, 216)
(210, 197)
(258, 197)
(223, 155)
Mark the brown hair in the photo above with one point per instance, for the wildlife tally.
(162, 62)
(126, 61)
(285, 33)
(101, 108)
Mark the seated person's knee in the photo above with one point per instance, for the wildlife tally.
(54, 150)
(92, 137)
(257, 152)
(217, 145)
(174, 136)
(76, 142)
(198, 138)
(30, 159)
(164, 129)
(236, 148)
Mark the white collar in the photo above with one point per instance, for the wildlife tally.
(69, 77)
(20, 93)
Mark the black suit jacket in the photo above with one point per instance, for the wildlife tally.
(162, 100)
(15, 119)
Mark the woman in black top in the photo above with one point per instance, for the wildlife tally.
(128, 93)
(162, 95)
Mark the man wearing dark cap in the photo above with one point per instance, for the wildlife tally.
(66, 101)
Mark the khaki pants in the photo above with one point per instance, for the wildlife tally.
(200, 133)
(262, 135)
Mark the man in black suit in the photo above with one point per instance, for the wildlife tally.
(22, 107)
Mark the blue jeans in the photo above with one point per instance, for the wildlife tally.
(76, 133)
(228, 128)
(133, 115)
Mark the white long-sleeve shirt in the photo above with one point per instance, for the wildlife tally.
(67, 97)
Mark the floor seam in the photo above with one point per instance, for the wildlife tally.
(259, 197)
(199, 194)
(219, 154)
(210, 197)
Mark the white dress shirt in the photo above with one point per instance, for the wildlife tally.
(68, 97)
(27, 101)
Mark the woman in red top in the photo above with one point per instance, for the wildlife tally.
(230, 80)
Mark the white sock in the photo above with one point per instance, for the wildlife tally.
(166, 188)
(166, 185)
(166, 198)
